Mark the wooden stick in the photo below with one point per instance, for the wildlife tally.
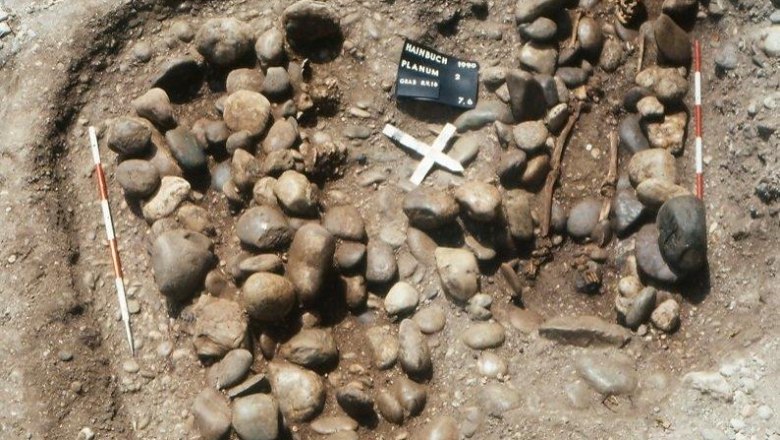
(610, 182)
(555, 172)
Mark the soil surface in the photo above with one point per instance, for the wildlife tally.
(65, 367)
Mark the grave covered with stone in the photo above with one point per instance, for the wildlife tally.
(248, 237)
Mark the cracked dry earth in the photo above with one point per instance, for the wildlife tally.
(285, 279)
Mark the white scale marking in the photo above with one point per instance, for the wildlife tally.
(432, 154)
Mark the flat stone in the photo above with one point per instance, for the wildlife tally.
(231, 369)
(654, 192)
(710, 383)
(525, 320)
(529, 10)
(517, 214)
(484, 335)
(497, 399)
(584, 331)
(486, 112)
(244, 79)
(331, 424)
(465, 148)
(310, 348)
(609, 376)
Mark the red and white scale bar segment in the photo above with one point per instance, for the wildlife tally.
(109, 222)
(698, 119)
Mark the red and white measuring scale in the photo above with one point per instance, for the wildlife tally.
(698, 119)
(111, 236)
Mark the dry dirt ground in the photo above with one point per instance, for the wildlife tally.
(64, 365)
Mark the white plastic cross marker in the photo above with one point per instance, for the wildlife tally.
(432, 154)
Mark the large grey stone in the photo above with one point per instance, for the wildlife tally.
(180, 260)
(682, 233)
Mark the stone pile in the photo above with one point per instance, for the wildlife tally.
(299, 252)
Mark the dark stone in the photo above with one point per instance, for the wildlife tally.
(178, 76)
(180, 260)
(632, 139)
(626, 211)
(633, 96)
(185, 149)
(674, 44)
(526, 96)
(573, 77)
(648, 255)
(682, 234)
